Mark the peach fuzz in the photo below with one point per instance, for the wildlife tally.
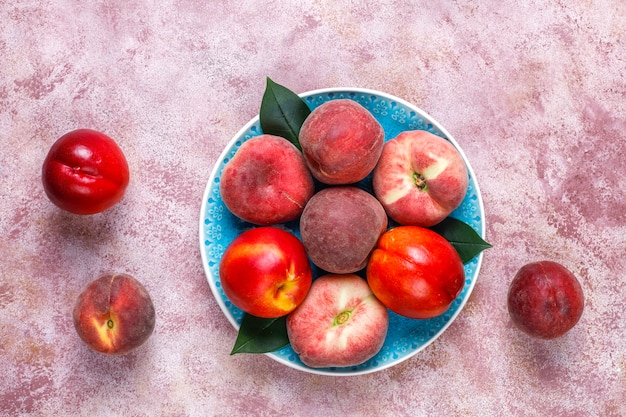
(114, 314)
(340, 323)
(267, 181)
(340, 226)
(420, 178)
(341, 142)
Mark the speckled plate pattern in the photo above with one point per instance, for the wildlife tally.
(405, 337)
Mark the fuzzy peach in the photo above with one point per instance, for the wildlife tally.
(420, 178)
(114, 314)
(341, 141)
(340, 226)
(267, 181)
(340, 323)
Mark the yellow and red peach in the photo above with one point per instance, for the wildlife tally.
(420, 178)
(114, 314)
(265, 272)
(267, 181)
(340, 226)
(341, 142)
(340, 323)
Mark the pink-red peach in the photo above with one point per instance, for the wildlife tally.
(114, 314)
(420, 178)
(340, 323)
(267, 181)
(341, 141)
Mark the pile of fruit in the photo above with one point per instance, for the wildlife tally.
(375, 249)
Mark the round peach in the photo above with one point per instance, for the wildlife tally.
(267, 181)
(341, 141)
(545, 299)
(340, 226)
(114, 314)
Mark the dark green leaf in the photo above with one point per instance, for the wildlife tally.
(282, 112)
(258, 335)
(465, 240)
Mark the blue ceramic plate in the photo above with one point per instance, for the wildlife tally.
(406, 337)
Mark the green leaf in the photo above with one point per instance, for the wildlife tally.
(282, 112)
(258, 335)
(465, 240)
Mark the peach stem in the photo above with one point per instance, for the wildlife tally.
(420, 181)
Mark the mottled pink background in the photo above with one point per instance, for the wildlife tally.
(533, 91)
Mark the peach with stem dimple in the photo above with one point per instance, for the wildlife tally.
(420, 178)
(340, 323)
(114, 314)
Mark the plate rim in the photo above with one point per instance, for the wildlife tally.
(325, 91)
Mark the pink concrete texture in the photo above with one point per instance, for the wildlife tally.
(533, 91)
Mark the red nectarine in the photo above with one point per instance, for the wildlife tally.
(265, 272)
(415, 272)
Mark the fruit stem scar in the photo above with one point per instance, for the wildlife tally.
(342, 318)
(420, 181)
(110, 323)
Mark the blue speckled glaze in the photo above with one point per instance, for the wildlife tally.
(405, 337)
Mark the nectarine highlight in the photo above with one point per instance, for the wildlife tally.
(265, 272)
(415, 272)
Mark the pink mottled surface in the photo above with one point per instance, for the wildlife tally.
(533, 91)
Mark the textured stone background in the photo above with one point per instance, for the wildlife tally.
(533, 91)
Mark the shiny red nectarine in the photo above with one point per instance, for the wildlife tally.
(265, 272)
(85, 172)
(415, 272)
